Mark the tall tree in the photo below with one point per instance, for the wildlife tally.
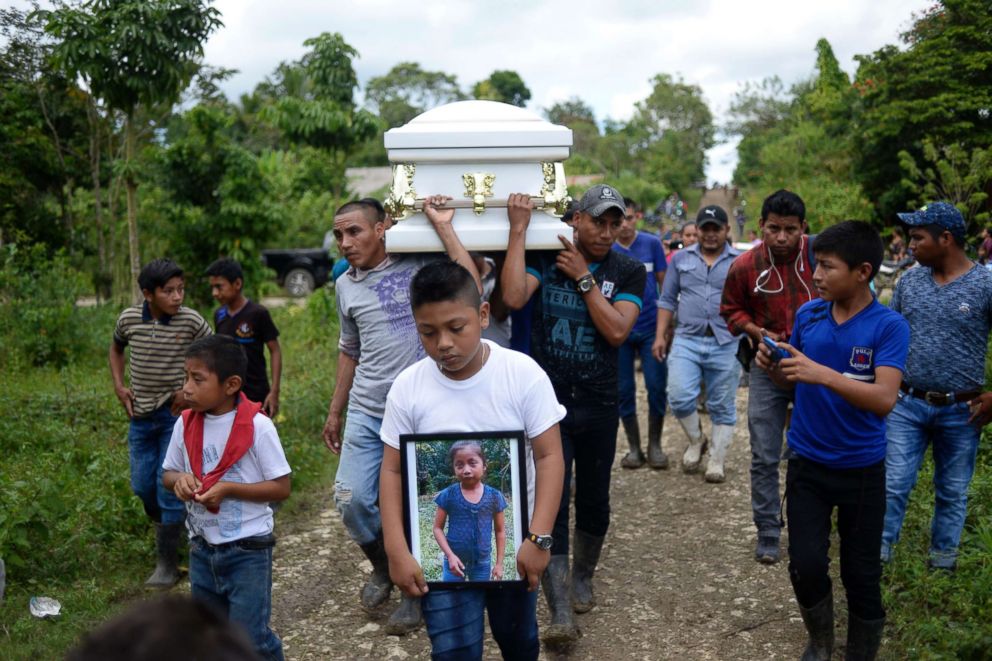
(502, 85)
(318, 108)
(132, 54)
(408, 90)
(676, 128)
(939, 86)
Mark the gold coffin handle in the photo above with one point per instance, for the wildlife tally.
(403, 201)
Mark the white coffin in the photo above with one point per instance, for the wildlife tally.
(477, 152)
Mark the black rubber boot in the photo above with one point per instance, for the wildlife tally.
(634, 458)
(586, 549)
(562, 630)
(819, 621)
(657, 458)
(166, 572)
(406, 618)
(376, 590)
(863, 638)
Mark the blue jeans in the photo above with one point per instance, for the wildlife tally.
(147, 441)
(655, 375)
(698, 358)
(912, 425)
(454, 623)
(356, 485)
(237, 578)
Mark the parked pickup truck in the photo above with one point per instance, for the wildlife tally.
(299, 270)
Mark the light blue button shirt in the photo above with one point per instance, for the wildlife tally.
(693, 291)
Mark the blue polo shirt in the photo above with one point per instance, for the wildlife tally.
(825, 427)
(647, 249)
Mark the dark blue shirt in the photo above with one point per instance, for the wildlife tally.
(825, 427)
(470, 525)
(949, 328)
(647, 249)
(564, 339)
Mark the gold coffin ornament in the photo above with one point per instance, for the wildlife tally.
(402, 201)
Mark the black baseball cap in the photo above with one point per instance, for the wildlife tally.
(712, 214)
(599, 199)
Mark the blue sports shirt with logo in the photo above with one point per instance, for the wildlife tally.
(825, 427)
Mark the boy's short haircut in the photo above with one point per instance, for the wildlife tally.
(441, 281)
(222, 355)
(367, 210)
(172, 627)
(783, 203)
(375, 204)
(631, 204)
(226, 268)
(855, 242)
(462, 445)
(156, 273)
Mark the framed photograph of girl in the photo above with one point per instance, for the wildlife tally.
(465, 500)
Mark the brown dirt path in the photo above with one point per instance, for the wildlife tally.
(677, 579)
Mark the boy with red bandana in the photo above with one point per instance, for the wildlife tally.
(226, 463)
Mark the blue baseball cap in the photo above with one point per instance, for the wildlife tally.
(941, 214)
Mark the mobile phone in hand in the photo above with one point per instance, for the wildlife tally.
(777, 353)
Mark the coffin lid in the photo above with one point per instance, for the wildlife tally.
(477, 124)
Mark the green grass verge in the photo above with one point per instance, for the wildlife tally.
(70, 528)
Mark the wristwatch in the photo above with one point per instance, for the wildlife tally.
(585, 283)
(542, 542)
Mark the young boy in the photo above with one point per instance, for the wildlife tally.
(225, 462)
(250, 324)
(158, 331)
(468, 384)
(845, 360)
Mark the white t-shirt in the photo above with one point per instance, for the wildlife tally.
(265, 460)
(510, 392)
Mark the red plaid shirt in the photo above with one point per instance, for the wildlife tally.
(775, 312)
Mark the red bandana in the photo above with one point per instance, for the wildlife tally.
(238, 443)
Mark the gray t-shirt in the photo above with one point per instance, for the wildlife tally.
(377, 328)
(949, 328)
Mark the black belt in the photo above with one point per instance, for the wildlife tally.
(939, 398)
(256, 543)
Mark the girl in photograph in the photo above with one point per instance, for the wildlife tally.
(475, 510)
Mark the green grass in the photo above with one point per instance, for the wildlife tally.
(70, 528)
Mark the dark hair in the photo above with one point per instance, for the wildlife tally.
(172, 627)
(855, 242)
(156, 273)
(631, 204)
(937, 231)
(226, 268)
(222, 355)
(371, 213)
(375, 204)
(569, 212)
(444, 280)
(784, 203)
(465, 445)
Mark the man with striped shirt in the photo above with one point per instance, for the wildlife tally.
(158, 331)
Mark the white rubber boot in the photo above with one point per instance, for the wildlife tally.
(697, 443)
(723, 435)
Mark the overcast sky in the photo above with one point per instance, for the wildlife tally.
(602, 52)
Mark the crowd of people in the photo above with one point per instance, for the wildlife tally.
(845, 390)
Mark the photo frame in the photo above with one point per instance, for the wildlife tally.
(469, 526)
